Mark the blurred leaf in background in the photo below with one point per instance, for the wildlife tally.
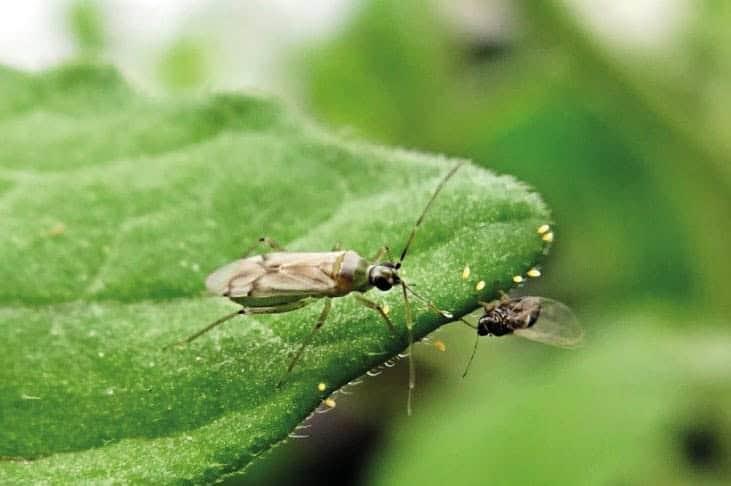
(544, 102)
(640, 405)
(185, 64)
(86, 25)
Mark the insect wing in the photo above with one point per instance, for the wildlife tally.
(275, 274)
(297, 279)
(228, 279)
(556, 325)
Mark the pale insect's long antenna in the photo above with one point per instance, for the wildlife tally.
(448, 316)
(207, 328)
(472, 356)
(410, 328)
(430, 304)
(441, 312)
(423, 213)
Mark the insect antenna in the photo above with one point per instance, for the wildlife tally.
(447, 315)
(423, 213)
(206, 329)
(410, 328)
(427, 302)
(472, 356)
(433, 307)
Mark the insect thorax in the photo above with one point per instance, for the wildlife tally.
(510, 315)
(495, 322)
(353, 274)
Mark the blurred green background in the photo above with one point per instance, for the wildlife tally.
(619, 114)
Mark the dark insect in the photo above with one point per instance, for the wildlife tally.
(535, 318)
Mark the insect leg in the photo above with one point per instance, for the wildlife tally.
(410, 328)
(491, 306)
(382, 251)
(467, 323)
(472, 356)
(378, 308)
(266, 241)
(318, 325)
(243, 311)
(207, 328)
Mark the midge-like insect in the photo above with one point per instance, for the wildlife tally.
(282, 281)
(535, 318)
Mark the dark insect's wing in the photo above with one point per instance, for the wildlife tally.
(556, 325)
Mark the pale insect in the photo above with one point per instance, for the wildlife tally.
(282, 281)
(535, 318)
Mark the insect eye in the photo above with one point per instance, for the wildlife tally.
(382, 283)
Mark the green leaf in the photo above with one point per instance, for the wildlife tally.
(114, 208)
